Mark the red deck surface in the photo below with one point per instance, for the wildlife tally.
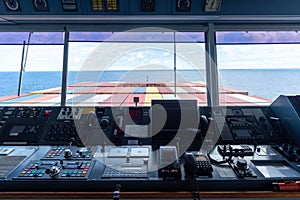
(122, 94)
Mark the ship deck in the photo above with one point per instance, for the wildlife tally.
(122, 94)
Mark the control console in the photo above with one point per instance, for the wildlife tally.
(244, 125)
(23, 125)
(56, 170)
(95, 149)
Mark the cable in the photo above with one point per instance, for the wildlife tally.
(116, 193)
(196, 193)
(216, 162)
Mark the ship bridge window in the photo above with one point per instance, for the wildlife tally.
(256, 67)
(41, 38)
(31, 66)
(114, 68)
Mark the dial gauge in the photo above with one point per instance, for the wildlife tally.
(183, 5)
(12, 5)
(212, 5)
(148, 5)
(40, 5)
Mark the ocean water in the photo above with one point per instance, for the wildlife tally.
(267, 83)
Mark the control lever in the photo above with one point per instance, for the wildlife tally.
(68, 153)
(255, 147)
(292, 148)
(91, 119)
(277, 126)
(178, 146)
(290, 151)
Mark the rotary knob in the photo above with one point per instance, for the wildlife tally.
(241, 164)
(104, 122)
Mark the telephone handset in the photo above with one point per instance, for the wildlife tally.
(204, 124)
(197, 165)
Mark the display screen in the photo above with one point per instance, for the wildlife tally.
(112, 5)
(172, 118)
(174, 110)
(105, 5)
(200, 158)
(97, 5)
(243, 133)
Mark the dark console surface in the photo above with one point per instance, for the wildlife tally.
(95, 149)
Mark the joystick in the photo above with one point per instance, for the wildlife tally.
(53, 171)
(242, 168)
(290, 151)
(68, 154)
(241, 164)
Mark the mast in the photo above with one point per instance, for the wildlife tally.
(175, 80)
(23, 63)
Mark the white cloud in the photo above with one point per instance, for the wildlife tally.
(50, 57)
(140, 55)
(40, 58)
(10, 58)
(78, 53)
(258, 56)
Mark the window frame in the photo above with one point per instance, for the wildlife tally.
(209, 29)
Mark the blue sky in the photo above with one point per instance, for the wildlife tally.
(50, 57)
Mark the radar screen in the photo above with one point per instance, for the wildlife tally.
(105, 5)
